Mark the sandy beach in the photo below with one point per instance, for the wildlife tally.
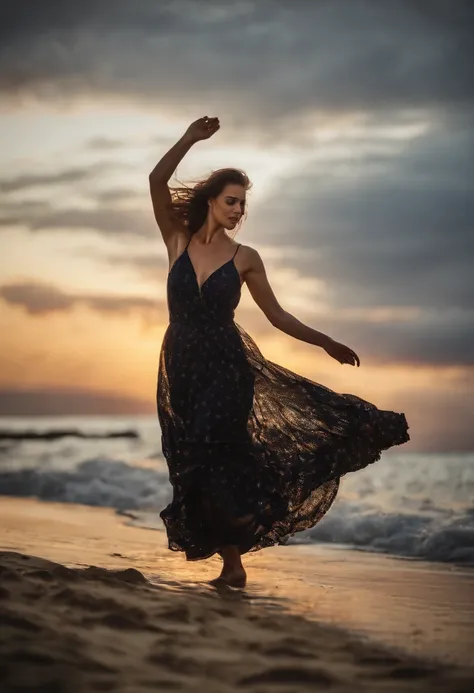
(89, 603)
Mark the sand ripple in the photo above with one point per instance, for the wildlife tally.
(74, 630)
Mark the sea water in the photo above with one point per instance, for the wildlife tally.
(412, 505)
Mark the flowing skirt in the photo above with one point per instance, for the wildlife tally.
(255, 451)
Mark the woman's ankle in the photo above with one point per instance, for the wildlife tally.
(232, 560)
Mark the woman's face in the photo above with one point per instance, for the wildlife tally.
(228, 207)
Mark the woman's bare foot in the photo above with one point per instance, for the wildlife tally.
(233, 573)
(235, 578)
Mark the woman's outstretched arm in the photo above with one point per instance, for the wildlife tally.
(262, 293)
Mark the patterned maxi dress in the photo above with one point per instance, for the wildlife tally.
(255, 451)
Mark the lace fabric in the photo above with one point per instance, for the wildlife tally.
(255, 452)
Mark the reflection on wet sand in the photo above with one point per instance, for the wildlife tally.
(107, 607)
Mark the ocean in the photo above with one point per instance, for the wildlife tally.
(410, 505)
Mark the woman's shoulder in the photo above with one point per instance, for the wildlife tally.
(242, 246)
(247, 250)
(248, 259)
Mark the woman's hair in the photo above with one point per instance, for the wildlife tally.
(190, 204)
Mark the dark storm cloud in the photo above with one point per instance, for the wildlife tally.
(382, 220)
(76, 402)
(103, 215)
(28, 181)
(250, 60)
(63, 177)
(386, 223)
(433, 338)
(393, 229)
(41, 299)
(105, 220)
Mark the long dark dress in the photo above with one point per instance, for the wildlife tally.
(255, 452)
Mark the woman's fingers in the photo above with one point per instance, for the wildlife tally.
(351, 358)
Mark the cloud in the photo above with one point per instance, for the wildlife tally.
(41, 299)
(100, 144)
(103, 219)
(386, 224)
(102, 212)
(260, 63)
(391, 228)
(437, 338)
(391, 334)
(74, 402)
(379, 94)
(148, 266)
(442, 420)
(61, 177)
(111, 195)
(35, 180)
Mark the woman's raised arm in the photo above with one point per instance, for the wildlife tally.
(201, 129)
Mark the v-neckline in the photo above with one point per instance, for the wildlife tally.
(200, 288)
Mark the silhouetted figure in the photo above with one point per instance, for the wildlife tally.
(255, 451)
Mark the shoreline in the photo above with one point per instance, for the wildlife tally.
(335, 616)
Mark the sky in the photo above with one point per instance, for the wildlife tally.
(354, 121)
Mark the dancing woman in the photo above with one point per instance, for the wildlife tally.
(255, 451)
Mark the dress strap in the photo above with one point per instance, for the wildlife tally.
(236, 251)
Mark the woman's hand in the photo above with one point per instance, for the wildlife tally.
(341, 353)
(202, 129)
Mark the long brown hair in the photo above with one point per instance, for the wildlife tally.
(190, 203)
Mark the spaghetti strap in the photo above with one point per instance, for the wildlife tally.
(236, 251)
(255, 452)
(174, 263)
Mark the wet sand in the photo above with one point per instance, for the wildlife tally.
(88, 603)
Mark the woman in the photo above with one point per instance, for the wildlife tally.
(255, 452)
